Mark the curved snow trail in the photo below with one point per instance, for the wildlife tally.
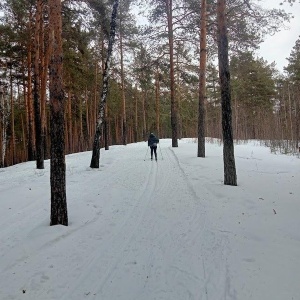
(138, 230)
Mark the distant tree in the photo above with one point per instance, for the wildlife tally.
(14, 65)
(174, 108)
(253, 92)
(293, 67)
(142, 70)
(59, 213)
(5, 111)
(162, 13)
(293, 70)
(126, 30)
(29, 103)
(224, 74)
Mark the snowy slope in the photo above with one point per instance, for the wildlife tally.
(141, 230)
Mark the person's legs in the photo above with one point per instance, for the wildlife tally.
(151, 152)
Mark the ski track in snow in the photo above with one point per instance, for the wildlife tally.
(145, 243)
(121, 262)
(156, 235)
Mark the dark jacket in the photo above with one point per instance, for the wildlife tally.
(153, 140)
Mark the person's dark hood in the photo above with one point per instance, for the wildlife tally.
(152, 135)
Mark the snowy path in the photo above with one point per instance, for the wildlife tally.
(139, 230)
(151, 239)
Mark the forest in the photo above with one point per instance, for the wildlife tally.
(163, 75)
(80, 76)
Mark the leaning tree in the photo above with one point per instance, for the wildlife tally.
(96, 145)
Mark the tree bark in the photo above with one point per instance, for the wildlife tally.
(202, 82)
(157, 94)
(174, 117)
(30, 126)
(136, 116)
(124, 126)
(106, 129)
(96, 145)
(144, 116)
(45, 58)
(81, 139)
(69, 124)
(37, 90)
(4, 114)
(224, 74)
(59, 213)
(12, 120)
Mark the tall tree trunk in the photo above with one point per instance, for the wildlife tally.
(228, 150)
(96, 146)
(135, 115)
(31, 144)
(116, 124)
(81, 139)
(290, 112)
(297, 115)
(12, 119)
(174, 112)
(23, 136)
(69, 122)
(106, 129)
(144, 116)
(1, 129)
(37, 90)
(124, 126)
(157, 92)
(67, 148)
(87, 121)
(45, 58)
(178, 98)
(236, 118)
(4, 114)
(59, 213)
(75, 135)
(202, 82)
(94, 104)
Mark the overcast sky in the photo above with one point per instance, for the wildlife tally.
(278, 47)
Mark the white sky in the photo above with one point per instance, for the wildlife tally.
(145, 230)
(278, 47)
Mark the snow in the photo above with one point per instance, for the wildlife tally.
(141, 230)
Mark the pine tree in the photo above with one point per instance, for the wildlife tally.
(224, 73)
(202, 82)
(37, 87)
(96, 146)
(59, 213)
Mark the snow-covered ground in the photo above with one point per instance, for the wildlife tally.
(141, 230)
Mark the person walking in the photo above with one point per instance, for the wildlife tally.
(152, 143)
